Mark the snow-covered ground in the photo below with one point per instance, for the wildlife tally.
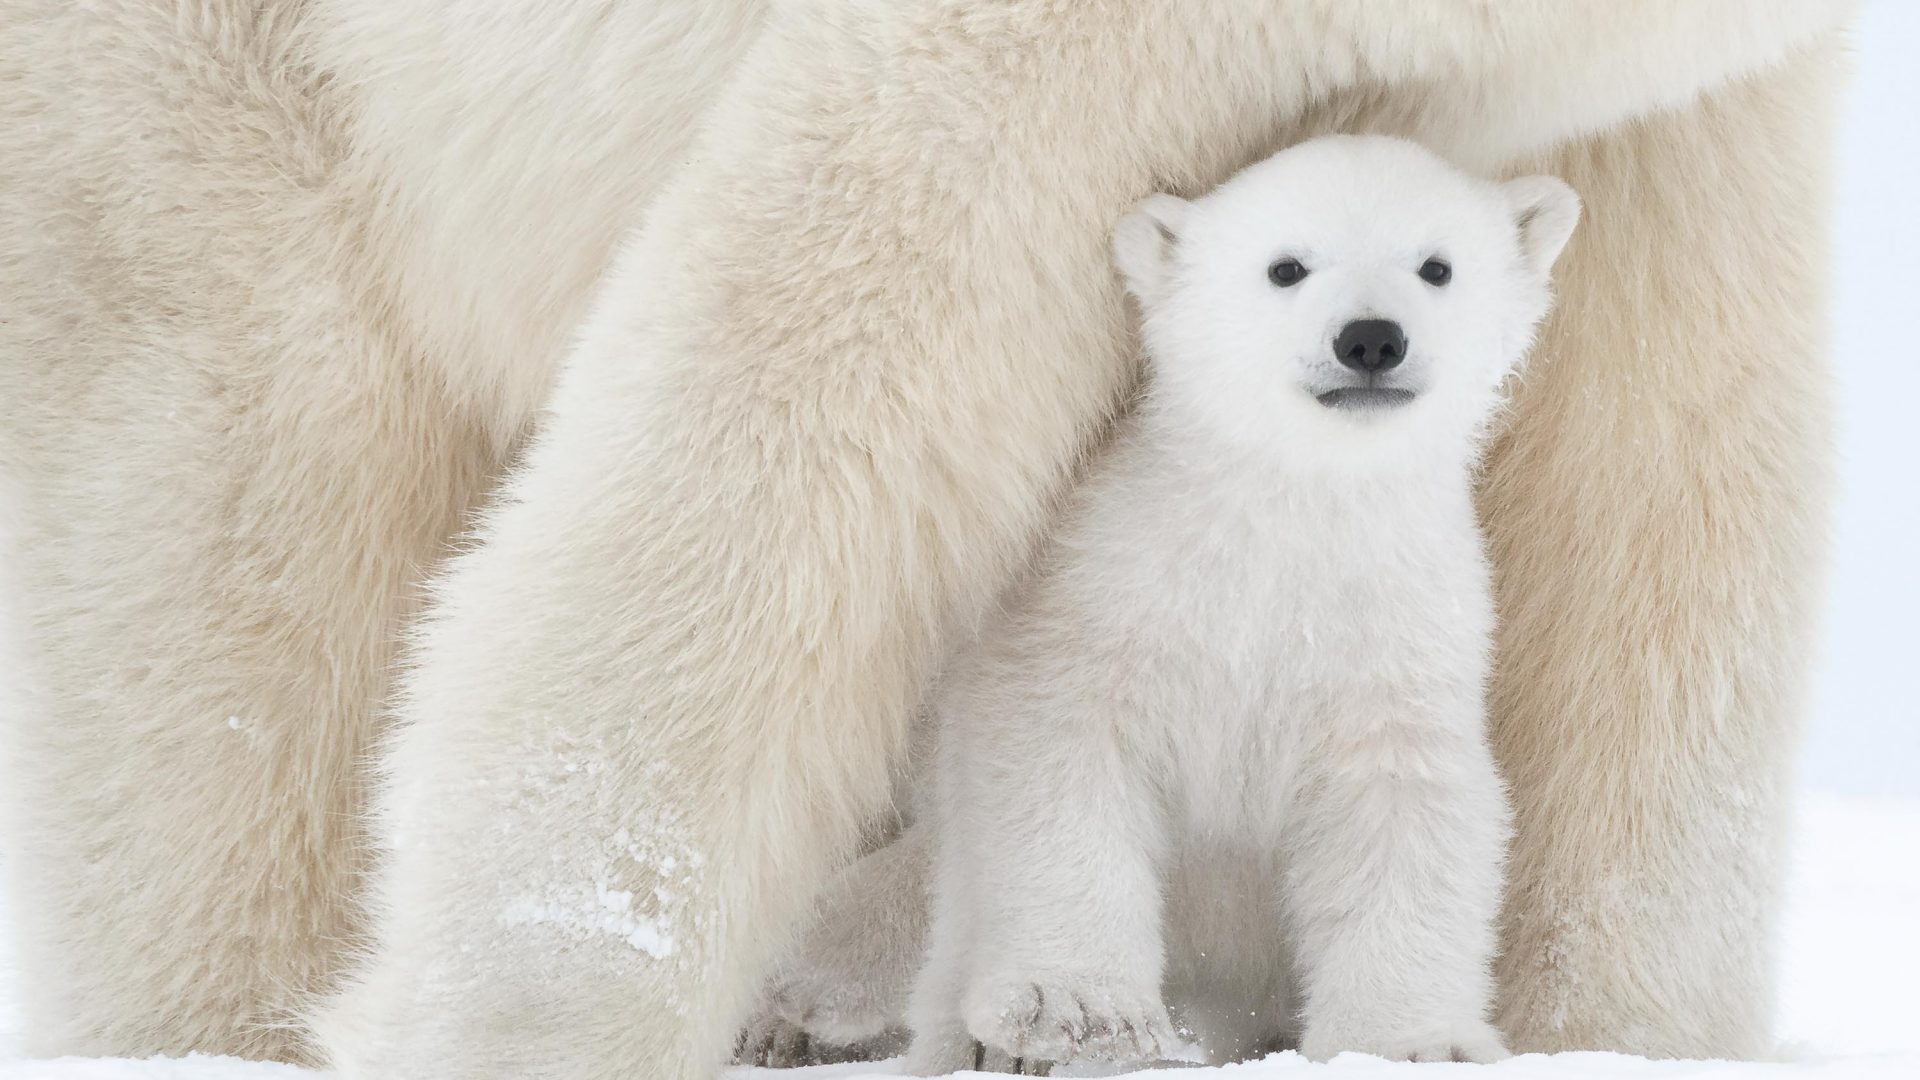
(1849, 1008)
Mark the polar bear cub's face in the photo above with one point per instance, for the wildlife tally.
(1348, 298)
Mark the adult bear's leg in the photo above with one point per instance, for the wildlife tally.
(1656, 517)
(237, 436)
(226, 477)
(212, 573)
(813, 425)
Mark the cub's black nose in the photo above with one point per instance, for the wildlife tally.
(1371, 345)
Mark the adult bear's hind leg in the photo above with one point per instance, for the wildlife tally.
(1655, 515)
(227, 476)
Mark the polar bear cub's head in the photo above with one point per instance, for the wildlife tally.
(1348, 299)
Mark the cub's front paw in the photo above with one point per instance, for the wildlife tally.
(1469, 1041)
(1071, 1019)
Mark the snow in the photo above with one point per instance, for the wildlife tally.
(586, 911)
(1848, 1006)
(1851, 937)
(193, 1067)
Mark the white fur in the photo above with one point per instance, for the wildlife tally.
(1247, 683)
(283, 284)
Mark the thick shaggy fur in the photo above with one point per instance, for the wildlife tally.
(1227, 751)
(255, 365)
(283, 285)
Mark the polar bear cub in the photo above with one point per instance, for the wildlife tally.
(1224, 753)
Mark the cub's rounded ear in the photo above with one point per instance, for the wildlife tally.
(1144, 240)
(1545, 210)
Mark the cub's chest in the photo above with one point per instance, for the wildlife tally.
(1254, 669)
(1232, 779)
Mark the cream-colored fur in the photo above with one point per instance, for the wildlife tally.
(255, 365)
(282, 287)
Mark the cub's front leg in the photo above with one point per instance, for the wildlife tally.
(1054, 840)
(1394, 878)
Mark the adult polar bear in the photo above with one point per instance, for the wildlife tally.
(284, 287)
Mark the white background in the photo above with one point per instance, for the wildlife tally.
(1863, 729)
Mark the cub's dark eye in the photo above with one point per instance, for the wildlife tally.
(1436, 272)
(1287, 273)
